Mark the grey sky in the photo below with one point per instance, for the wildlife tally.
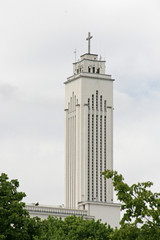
(37, 41)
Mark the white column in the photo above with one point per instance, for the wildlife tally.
(66, 163)
(98, 157)
(109, 151)
(77, 155)
(85, 154)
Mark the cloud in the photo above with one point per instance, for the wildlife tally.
(36, 163)
(7, 91)
(137, 136)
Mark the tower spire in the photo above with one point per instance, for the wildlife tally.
(88, 39)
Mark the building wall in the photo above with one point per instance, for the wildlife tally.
(44, 211)
(89, 145)
(89, 137)
(108, 213)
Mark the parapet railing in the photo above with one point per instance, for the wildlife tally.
(55, 210)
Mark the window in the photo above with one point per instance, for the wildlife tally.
(100, 157)
(88, 156)
(92, 102)
(101, 102)
(97, 100)
(93, 69)
(105, 105)
(105, 184)
(96, 156)
(92, 156)
(98, 70)
(88, 103)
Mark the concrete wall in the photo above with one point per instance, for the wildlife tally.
(108, 213)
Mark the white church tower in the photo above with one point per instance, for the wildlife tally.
(89, 131)
(89, 145)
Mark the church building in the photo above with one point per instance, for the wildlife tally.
(89, 144)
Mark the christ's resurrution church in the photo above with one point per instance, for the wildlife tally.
(89, 143)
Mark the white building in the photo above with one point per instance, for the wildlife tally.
(89, 140)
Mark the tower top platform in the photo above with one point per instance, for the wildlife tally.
(89, 63)
(89, 56)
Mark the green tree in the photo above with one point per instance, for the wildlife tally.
(74, 228)
(141, 218)
(15, 222)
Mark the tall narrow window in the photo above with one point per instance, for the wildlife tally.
(96, 156)
(88, 156)
(92, 101)
(93, 69)
(100, 157)
(88, 103)
(105, 158)
(92, 157)
(101, 102)
(97, 100)
(105, 105)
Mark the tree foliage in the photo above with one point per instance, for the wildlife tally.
(140, 221)
(141, 218)
(15, 222)
(74, 228)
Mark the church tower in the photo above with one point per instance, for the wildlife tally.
(89, 132)
(89, 144)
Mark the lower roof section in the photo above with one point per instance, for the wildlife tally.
(44, 211)
(107, 212)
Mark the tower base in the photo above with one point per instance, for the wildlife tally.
(108, 212)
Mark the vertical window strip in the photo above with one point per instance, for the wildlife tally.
(92, 101)
(105, 105)
(92, 157)
(88, 156)
(100, 157)
(101, 103)
(105, 168)
(88, 149)
(97, 100)
(96, 157)
(88, 103)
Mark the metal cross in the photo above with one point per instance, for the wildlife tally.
(88, 39)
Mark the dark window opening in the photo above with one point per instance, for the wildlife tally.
(97, 100)
(92, 101)
(93, 69)
(101, 102)
(89, 69)
(88, 103)
(105, 105)
(98, 70)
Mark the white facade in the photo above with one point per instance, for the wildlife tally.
(89, 132)
(44, 211)
(107, 212)
(89, 145)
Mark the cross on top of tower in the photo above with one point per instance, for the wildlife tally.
(88, 39)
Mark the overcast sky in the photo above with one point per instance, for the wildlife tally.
(37, 41)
